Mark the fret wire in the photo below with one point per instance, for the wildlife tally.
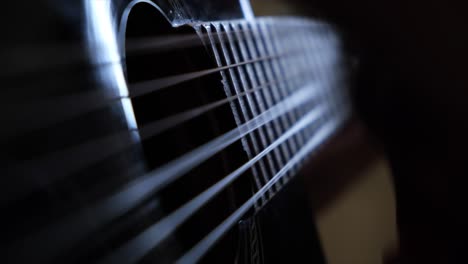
(245, 111)
(310, 61)
(262, 133)
(327, 71)
(269, 43)
(155, 234)
(233, 106)
(301, 61)
(306, 63)
(199, 250)
(293, 69)
(259, 75)
(313, 57)
(315, 53)
(141, 188)
(273, 95)
(270, 97)
(255, 75)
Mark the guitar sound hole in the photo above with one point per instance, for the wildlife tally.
(155, 64)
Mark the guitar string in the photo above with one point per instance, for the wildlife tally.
(177, 119)
(202, 247)
(145, 87)
(233, 65)
(137, 247)
(64, 163)
(170, 42)
(73, 53)
(69, 55)
(166, 43)
(77, 227)
(49, 111)
(37, 115)
(68, 161)
(253, 48)
(46, 113)
(247, 77)
(249, 144)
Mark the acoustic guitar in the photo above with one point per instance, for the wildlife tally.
(138, 131)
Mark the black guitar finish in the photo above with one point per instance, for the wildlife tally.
(104, 120)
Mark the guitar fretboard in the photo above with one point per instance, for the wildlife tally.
(288, 56)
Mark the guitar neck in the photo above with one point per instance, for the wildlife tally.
(268, 60)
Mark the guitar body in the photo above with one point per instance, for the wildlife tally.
(162, 131)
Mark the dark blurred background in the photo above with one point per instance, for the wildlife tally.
(410, 98)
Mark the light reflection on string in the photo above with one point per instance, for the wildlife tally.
(197, 252)
(140, 245)
(77, 226)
